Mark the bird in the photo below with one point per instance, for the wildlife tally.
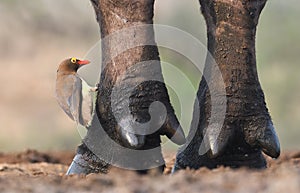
(72, 92)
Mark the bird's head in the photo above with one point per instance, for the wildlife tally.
(72, 65)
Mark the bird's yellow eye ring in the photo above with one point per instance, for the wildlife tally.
(73, 60)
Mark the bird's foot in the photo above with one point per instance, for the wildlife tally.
(94, 89)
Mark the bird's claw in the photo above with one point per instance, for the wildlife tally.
(95, 88)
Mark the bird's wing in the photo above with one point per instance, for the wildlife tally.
(75, 99)
(64, 91)
(68, 94)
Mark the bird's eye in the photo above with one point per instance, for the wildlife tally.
(73, 60)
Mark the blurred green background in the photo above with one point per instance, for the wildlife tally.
(36, 35)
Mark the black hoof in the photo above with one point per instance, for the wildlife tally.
(85, 162)
(79, 166)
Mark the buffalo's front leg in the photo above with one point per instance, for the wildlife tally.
(133, 105)
(247, 128)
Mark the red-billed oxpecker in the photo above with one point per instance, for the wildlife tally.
(73, 93)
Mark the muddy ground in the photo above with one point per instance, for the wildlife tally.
(33, 171)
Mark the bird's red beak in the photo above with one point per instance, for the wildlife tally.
(83, 62)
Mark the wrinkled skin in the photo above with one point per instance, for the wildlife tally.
(131, 82)
(248, 129)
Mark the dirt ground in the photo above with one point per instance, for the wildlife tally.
(33, 171)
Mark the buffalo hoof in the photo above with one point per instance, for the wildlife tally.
(85, 162)
(239, 143)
